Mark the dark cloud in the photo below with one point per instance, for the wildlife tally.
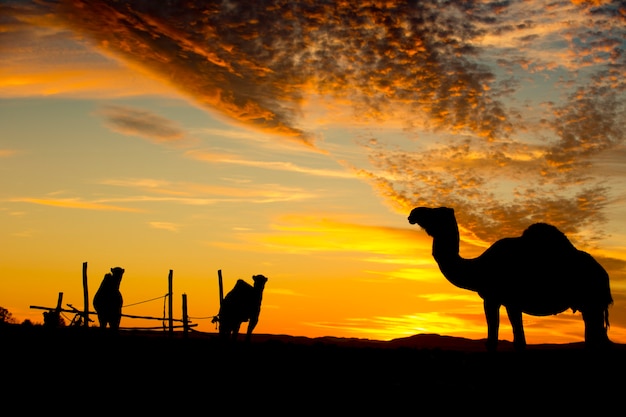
(212, 51)
(136, 122)
(253, 61)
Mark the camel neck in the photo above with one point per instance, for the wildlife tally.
(456, 269)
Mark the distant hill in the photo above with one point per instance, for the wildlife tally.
(418, 341)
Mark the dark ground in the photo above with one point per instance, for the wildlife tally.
(82, 371)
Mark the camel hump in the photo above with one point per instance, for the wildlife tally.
(239, 303)
(107, 283)
(242, 286)
(549, 237)
(241, 293)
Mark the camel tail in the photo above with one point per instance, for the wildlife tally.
(606, 318)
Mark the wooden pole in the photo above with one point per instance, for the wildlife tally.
(59, 303)
(85, 297)
(170, 278)
(185, 317)
(54, 319)
(219, 278)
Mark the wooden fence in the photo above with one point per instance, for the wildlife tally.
(81, 317)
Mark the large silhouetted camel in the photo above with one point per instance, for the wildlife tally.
(108, 299)
(539, 273)
(242, 303)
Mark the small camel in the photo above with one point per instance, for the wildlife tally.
(242, 303)
(539, 273)
(108, 299)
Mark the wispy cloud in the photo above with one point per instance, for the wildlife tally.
(246, 136)
(170, 227)
(192, 193)
(42, 57)
(270, 165)
(143, 193)
(142, 123)
(73, 203)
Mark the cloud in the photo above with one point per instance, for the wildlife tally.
(170, 227)
(506, 105)
(590, 122)
(468, 182)
(42, 57)
(271, 165)
(149, 192)
(215, 65)
(257, 73)
(136, 122)
(191, 193)
(73, 203)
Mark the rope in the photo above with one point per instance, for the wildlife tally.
(66, 318)
(141, 302)
(164, 303)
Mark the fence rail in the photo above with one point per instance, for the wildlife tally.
(85, 313)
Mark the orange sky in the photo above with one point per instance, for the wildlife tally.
(201, 138)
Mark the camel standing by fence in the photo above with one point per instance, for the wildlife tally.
(539, 273)
(241, 304)
(108, 299)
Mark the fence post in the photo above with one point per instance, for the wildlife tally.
(219, 280)
(85, 297)
(54, 317)
(185, 317)
(170, 301)
(59, 303)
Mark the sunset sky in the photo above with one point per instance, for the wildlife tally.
(292, 139)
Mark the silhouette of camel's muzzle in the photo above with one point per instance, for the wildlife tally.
(420, 216)
(415, 215)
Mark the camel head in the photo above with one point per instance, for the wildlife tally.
(433, 220)
(117, 273)
(259, 281)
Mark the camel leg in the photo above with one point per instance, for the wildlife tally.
(595, 331)
(223, 330)
(515, 317)
(235, 331)
(492, 314)
(115, 320)
(226, 328)
(251, 325)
